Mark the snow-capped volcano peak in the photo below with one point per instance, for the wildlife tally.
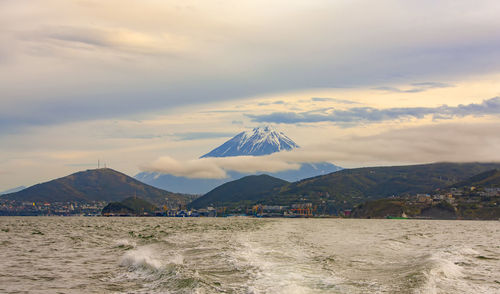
(259, 141)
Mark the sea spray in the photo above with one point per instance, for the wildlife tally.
(143, 258)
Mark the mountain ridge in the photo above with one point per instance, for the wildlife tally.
(103, 184)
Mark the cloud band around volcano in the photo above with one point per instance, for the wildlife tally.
(424, 144)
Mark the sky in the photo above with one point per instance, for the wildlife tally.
(153, 85)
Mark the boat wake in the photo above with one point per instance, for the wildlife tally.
(444, 272)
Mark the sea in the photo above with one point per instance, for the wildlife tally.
(247, 255)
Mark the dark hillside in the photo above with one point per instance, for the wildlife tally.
(245, 190)
(130, 206)
(353, 186)
(488, 179)
(102, 184)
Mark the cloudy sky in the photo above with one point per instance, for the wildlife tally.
(148, 84)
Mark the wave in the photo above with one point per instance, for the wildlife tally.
(444, 272)
(282, 262)
(140, 259)
(158, 270)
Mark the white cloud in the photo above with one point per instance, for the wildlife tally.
(190, 169)
(215, 168)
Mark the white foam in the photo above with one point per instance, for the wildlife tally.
(176, 259)
(141, 258)
(443, 274)
(467, 251)
(446, 269)
(283, 266)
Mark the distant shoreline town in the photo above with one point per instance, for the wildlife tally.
(473, 203)
(105, 192)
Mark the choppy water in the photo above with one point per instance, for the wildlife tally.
(234, 255)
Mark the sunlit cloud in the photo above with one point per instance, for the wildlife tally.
(124, 40)
(279, 102)
(335, 100)
(359, 115)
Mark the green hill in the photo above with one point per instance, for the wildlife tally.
(245, 191)
(117, 208)
(346, 188)
(139, 205)
(131, 205)
(388, 207)
(379, 208)
(487, 179)
(103, 184)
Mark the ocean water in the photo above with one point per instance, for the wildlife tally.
(245, 255)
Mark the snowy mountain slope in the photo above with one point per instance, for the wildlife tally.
(259, 141)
